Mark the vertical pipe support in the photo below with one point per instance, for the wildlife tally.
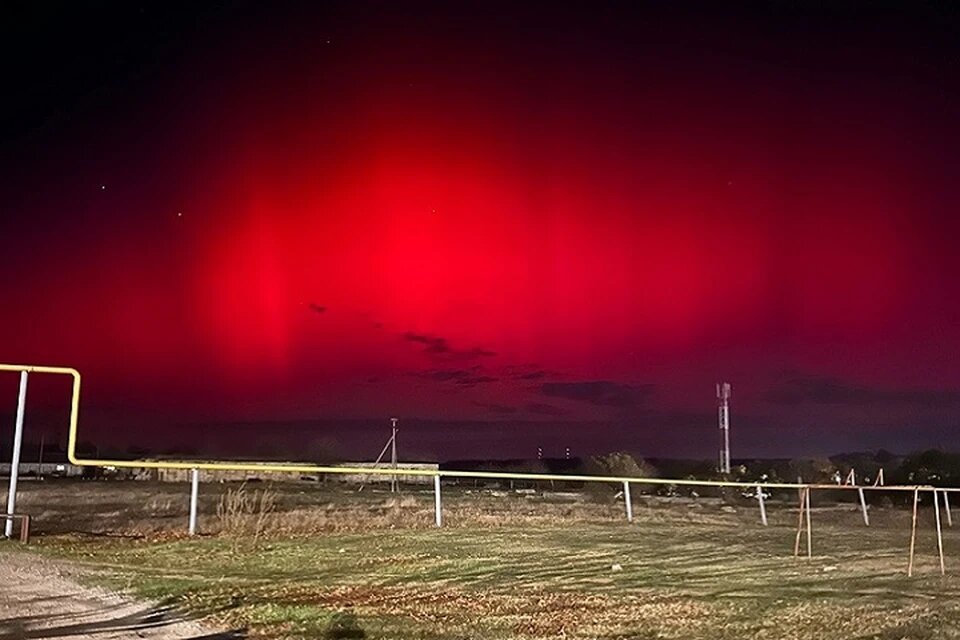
(15, 458)
(946, 508)
(763, 506)
(796, 544)
(627, 500)
(194, 491)
(437, 507)
(913, 532)
(936, 511)
(809, 528)
(863, 506)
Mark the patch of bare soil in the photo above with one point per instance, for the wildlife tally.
(42, 598)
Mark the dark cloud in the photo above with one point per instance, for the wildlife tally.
(431, 344)
(830, 391)
(440, 348)
(526, 372)
(543, 409)
(599, 392)
(476, 352)
(684, 419)
(531, 375)
(496, 408)
(316, 308)
(462, 377)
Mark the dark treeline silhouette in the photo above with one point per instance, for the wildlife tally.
(930, 467)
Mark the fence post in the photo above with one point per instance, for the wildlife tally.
(946, 508)
(763, 507)
(863, 506)
(437, 508)
(194, 490)
(913, 531)
(627, 500)
(936, 511)
(796, 544)
(15, 458)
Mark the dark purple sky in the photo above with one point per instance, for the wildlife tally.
(509, 225)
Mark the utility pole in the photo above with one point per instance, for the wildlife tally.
(723, 415)
(393, 453)
(40, 459)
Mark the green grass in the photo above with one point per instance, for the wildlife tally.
(678, 576)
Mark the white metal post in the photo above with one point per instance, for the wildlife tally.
(15, 458)
(194, 491)
(936, 511)
(946, 508)
(863, 506)
(627, 500)
(763, 507)
(437, 510)
(913, 532)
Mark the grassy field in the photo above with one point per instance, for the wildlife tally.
(336, 563)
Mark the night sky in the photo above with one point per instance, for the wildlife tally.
(510, 225)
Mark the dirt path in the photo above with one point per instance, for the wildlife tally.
(41, 598)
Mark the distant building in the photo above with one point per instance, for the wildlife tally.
(47, 469)
(183, 475)
(67, 470)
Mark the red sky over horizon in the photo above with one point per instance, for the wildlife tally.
(456, 220)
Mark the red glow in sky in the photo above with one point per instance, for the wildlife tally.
(440, 220)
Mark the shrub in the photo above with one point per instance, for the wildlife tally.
(622, 464)
(246, 514)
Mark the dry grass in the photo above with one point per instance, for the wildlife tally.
(245, 514)
(151, 509)
(518, 565)
(678, 578)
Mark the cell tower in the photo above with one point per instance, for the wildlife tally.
(723, 415)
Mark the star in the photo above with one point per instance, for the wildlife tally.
(103, 187)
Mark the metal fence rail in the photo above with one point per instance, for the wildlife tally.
(194, 466)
